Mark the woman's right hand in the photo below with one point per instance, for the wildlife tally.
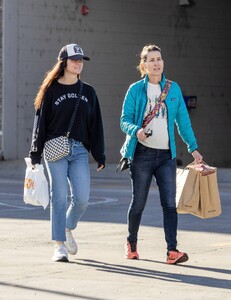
(100, 167)
(141, 135)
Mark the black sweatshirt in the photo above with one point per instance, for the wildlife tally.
(53, 118)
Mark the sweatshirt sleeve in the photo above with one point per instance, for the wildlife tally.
(39, 133)
(97, 133)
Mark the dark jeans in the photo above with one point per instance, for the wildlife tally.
(147, 163)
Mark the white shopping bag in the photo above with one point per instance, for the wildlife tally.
(36, 191)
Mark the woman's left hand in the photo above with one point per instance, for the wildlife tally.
(197, 156)
(100, 167)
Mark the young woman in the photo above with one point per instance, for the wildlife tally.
(54, 105)
(148, 120)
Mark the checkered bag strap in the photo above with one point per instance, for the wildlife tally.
(75, 109)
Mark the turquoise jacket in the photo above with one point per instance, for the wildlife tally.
(133, 114)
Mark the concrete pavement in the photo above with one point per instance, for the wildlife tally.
(99, 271)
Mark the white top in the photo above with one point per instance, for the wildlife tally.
(158, 125)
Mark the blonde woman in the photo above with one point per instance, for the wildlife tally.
(151, 108)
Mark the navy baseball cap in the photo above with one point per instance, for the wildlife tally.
(72, 51)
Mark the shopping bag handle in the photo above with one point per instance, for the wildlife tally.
(203, 168)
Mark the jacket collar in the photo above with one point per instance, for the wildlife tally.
(162, 82)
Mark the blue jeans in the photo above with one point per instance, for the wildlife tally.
(147, 163)
(69, 173)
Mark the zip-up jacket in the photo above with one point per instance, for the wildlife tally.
(53, 118)
(133, 111)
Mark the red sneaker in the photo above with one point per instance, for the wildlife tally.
(131, 251)
(176, 257)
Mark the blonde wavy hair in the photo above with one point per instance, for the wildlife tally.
(143, 57)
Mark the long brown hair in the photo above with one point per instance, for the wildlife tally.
(143, 57)
(56, 72)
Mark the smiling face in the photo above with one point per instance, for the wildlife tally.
(154, 65)
(74, 67)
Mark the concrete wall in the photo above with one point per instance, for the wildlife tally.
(196, 49)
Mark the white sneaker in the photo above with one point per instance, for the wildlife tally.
(70, 243)
(60, 253)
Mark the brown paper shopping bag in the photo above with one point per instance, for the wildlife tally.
(209, 204)
(187, 191)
